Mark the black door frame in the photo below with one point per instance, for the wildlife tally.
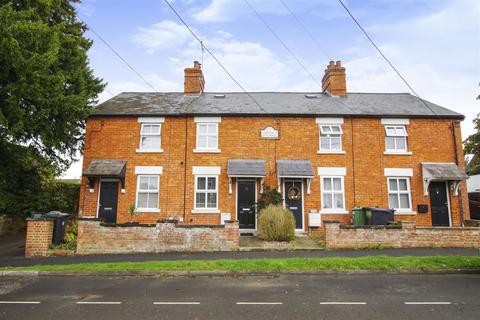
(255, 180)
(303, 199)
(100, 190)
(447, 192)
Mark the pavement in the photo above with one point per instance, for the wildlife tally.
(12, 249)
(356, 296)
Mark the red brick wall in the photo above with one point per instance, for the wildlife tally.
(93, 238)
(430, 140)
(408, 236)
(39, 237)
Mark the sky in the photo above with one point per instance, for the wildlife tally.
(435, 44)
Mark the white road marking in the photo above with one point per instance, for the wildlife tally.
(342, 303)
(260, 303)
(99, 302)
(428, 302)
(176, 303)
(19, 302)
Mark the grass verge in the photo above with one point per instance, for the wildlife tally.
(290, 264)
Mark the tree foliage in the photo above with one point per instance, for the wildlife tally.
(47, 90)
(472, 149)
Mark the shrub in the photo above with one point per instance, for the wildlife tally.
(276, 224)
(268, 197)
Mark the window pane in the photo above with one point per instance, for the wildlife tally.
(155, 129)
(143, 183)
(392, 183)
(338, 200)
(336, 129)
(402, 184)
(212, 183)
(201, 183)
(326, 129)
(327, 183)
(400, 131)
(337, 184)
(212, 142)
(324, 143)
(211, 200)
(153, 183)
(336, 143)
(404, 201)
(202, 142)
(327, 200)
(142, 200)
(393, 201)
(401, 143)
(200, 200)
(153, 200)
(390, 143)
(150, 142)
(146, 128)
(212, 128)
(390, 131)
(202, 129)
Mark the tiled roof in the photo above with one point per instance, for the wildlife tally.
(246, 168)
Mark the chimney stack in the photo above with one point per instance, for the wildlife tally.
(334, 81)
(194, 83)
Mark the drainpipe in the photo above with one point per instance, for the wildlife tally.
(185, 172)
(454, 133)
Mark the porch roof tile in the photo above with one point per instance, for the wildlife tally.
(246, 168)
(294, 169)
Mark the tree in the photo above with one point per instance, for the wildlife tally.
(47, 90)
(472, 149)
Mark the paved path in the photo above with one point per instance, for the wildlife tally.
(260, 297)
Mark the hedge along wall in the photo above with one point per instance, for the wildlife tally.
(95, 237)
(407, 235)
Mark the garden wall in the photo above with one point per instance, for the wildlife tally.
(95, 237)
(10, 224)
(406, 235)
(39, 237)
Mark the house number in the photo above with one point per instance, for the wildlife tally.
(269, 133)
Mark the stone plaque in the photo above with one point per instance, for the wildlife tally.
(269, 133)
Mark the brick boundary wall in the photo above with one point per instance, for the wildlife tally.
(39, 237)
(11, 225)
(95, 237)
(407, 235)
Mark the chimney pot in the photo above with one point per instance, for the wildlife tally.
(334, 81)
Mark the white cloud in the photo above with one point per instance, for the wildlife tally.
(166, 34)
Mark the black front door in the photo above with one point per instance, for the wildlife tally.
(246, 203)
(107, 206)
(439, 204)
(293, 200)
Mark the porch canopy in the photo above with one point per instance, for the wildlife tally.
(438, 171)
(295, 169)
(251, 168)
(106, 169)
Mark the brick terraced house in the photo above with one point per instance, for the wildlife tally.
(203, 158)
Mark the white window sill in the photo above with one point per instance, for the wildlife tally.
(333, 211)
(205, 211)
(330, 152)
(398, 153)
(405, 213)
(206, 150)
(147, 210)
(149, 151)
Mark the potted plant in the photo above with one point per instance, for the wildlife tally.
(132, 209)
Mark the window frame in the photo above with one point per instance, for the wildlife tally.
(396, 136)
(332, 193)
(142, 135)
(205, 191)
(399, 192)
(138, 191)
(207, 148)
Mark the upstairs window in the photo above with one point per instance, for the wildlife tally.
(207, 136)
(150, 137)
(330, 138)
(395, 138)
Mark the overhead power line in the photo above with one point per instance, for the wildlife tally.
(204, 47)
(307, 31)
(120, 57)
(283, 43)
(384, 57)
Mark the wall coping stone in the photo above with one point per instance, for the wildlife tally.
(40, 219)
(331, 221)
(393, 226)
(448, 228)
